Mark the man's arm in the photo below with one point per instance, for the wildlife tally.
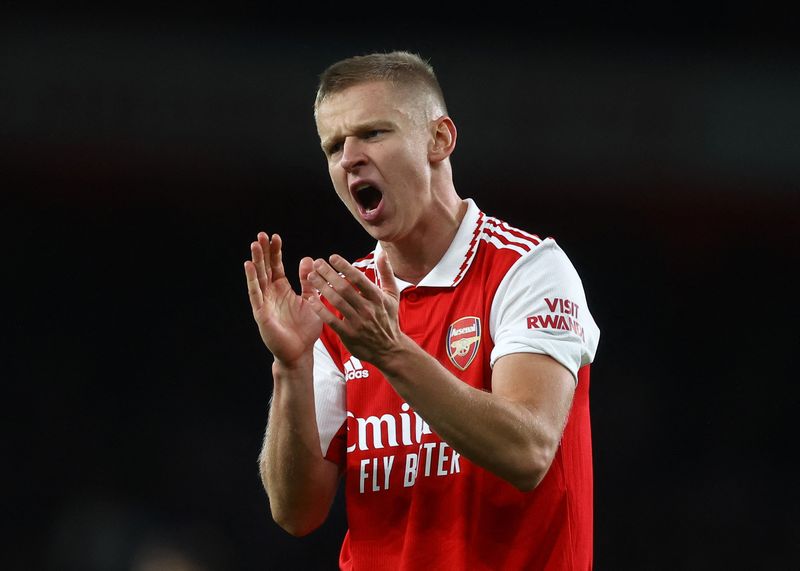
(299, 482)
(512, 431)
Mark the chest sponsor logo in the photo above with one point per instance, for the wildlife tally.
(353, 369)
(394, 448)
(463, 340)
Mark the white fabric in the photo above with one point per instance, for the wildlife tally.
(445, 272)
(329, 395)
(545, 273)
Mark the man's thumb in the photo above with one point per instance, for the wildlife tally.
(386, 275)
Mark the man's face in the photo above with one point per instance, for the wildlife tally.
(376, 141)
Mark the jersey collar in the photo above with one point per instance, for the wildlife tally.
(449, 271)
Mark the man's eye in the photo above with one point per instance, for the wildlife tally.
(334, 148)
(373, 133)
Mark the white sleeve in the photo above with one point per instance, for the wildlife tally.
(540, 307)
(329, 396)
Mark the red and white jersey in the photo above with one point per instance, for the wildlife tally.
(412, 501)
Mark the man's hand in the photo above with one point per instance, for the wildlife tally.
(369, 327)
(288, 325)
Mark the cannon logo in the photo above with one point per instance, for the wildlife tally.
(463, 340)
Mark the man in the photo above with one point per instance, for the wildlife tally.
(445, 375)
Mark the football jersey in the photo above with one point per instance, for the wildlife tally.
(412, 501)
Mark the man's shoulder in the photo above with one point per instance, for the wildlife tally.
(366, 264)
(501, 220)
(366, 261)
(506, 238)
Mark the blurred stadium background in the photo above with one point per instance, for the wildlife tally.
(141, 151)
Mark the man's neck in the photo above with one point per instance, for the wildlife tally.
(414, 257)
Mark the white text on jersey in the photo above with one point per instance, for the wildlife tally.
(353, 369)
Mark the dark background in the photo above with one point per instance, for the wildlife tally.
(141, 151)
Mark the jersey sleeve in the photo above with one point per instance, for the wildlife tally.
(540, 307)
(329, 403)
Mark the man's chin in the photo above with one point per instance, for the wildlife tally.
(379, 232)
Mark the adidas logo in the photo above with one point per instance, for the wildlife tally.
(353, 369)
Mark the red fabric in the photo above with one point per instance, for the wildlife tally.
(454, 515)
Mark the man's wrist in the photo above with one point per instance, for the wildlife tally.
(396, 361)
(303, 364)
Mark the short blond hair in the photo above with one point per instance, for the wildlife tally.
(401, 68)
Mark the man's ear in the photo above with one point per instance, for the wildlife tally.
(443, 141)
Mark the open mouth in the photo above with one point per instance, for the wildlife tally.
(368, 198)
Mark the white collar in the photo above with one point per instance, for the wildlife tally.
(450, 269)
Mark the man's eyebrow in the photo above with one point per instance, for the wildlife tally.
(328, 142)
(374, 124)
(357, 130)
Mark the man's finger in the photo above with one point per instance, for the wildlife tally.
(342, 285)
(260, 250)
(338, 325)
(253, 286)
(307, 288)
(386, 275)
(367, 289)
(276, 257)
(332, 291)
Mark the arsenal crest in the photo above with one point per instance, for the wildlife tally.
(463, 339)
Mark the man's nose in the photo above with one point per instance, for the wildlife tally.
(352, 154)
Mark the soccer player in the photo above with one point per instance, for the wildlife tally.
(445, 375)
